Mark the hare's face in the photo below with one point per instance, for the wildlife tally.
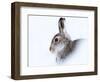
(58, 43)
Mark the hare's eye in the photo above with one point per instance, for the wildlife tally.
(56, 39)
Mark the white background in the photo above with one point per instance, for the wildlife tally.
(5, 40)
(42, 29)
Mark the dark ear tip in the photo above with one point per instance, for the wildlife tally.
(62, 18)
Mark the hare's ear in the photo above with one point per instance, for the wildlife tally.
(62, 30)
(61, 25)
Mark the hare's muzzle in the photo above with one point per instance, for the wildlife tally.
(51, 49)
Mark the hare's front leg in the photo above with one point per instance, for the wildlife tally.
(60, 59)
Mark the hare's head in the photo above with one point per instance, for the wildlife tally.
(61, 40)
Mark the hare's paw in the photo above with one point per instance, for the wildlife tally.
(59, 60)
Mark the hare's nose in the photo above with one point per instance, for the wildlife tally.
(50, 48)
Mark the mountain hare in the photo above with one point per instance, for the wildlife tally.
(61, 44)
